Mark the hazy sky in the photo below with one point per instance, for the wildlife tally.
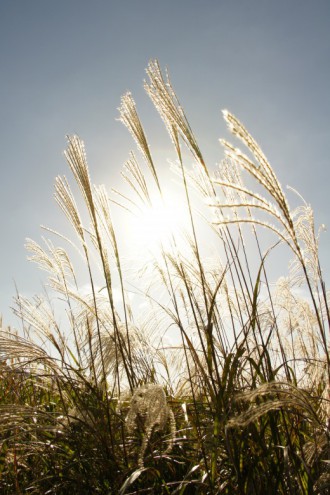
(65, 63)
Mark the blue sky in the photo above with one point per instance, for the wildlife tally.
(65, 64)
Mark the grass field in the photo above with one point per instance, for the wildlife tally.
(185, 370)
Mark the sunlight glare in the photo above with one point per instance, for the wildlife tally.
(157, 226)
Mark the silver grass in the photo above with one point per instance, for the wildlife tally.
(166, 102)
(150, 412)
(77, 160)
(207, 332)
(23, 353)
(65, 199)
(263, 170)
(134, 176)
(130, 118)
(279, 394)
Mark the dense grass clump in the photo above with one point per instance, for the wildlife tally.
(184, 368)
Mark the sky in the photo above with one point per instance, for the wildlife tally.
(66, 63)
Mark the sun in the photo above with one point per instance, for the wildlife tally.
(161, 225)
